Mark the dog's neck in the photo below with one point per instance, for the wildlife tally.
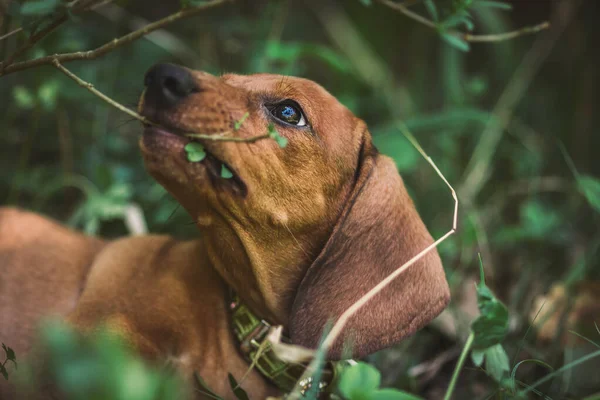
(248, 322)
(265, 280)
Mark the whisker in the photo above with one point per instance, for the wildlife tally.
(296, 240)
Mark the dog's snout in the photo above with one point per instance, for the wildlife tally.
(167, 84)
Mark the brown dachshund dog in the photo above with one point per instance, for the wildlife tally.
(300, 233)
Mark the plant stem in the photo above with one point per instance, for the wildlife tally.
(499, 37)
(459, 365)
(98, 93)
(223, 137)
(11, 33)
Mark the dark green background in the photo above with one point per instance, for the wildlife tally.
(530, 221)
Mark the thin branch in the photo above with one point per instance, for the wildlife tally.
(32, 41)
(98, 93)
(500, 37)
(75, 9)
(113, 44)
(11, 33)
(465, 36)
(410, 14)
(222, 137)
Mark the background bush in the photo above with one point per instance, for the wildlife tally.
(534, 218)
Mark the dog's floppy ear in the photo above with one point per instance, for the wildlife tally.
(377, 232)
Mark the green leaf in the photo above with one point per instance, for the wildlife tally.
(225, 172)
(91, 226)
(456, 41)
(39, 8)
(491, 326)
(281, 141)
(290, 53)
(392, 394)
(195, 152)
(431, 9)
(590, 188)
(48, 93)
(455, 20)
(240, 393)
(3, 371)
(238, 124)
(492, 4)
(274, 134)
(10, 354)
(392, 143)
(539, 221)
(366, 3)
(23, 97)
(205, 387)
(359, 380)
(496, 362)
(477, 357)
(192, 3)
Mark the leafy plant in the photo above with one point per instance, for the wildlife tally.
(361, 382)
(100, 366)
(9, 355)
(195, 152)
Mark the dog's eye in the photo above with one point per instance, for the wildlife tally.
(289, 113)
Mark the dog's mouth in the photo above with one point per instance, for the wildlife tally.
(222, 176)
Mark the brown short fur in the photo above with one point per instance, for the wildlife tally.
(318, 223)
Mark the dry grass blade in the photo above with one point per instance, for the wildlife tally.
(288, 352)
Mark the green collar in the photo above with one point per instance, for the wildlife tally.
(251, 332)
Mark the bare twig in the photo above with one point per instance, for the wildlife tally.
(110, 46)
(98, 93)
(465, 36)
(31, 42)
(75, 8)
(160, 37)
(222, 137)
(500, 37)
(410, 14)
(11, 33)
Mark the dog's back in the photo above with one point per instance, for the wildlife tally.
(43, 267)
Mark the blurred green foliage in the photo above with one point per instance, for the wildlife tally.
(97, 367)
(66, 154)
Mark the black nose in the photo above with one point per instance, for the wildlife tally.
(167, 84)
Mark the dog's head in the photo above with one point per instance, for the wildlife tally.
(300, 232)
